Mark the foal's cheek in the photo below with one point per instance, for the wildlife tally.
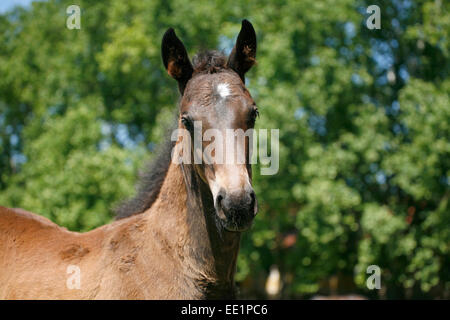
(209, 173)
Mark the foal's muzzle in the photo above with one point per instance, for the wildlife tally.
(236, 210)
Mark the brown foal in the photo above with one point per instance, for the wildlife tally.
(178, 239)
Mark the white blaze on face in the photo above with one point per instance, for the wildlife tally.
(223, 90)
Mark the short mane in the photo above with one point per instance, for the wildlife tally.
(150, 182)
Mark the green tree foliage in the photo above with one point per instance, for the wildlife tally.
(364, 119)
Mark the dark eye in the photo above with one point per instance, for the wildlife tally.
(186, 122)
(254, 114)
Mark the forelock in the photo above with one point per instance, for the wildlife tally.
(209, 62)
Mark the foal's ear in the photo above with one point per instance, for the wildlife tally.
(242, 58)
(175, 59)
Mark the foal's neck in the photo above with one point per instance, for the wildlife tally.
(185, 214)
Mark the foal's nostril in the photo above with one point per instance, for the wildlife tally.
(252, 197)
(219, 199)
(253, 204)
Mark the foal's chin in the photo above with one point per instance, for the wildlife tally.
(234, 228)
(231, 225)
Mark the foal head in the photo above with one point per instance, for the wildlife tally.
(216, 106)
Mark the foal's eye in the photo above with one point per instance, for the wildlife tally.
(254, 114)
(186, 122)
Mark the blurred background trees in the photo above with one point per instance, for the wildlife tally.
(364, 119)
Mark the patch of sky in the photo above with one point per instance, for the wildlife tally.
(344, 51)
(357, 80)
(123, 136)
(18, 159)
(121, 133)
(393, 109)
(14, 139)
(400, 129)
(373, 167)
(404, 74)
(7, 5)
(299, 113)
(381, 80)
(262, 81)
(382, 54)
(9, 129)
(394, 43)
(380, 177)
(403, 7)
(317, 124)
(350, 30)
(314, 60)
(366, 99)
(359, 50)
(331, 42)
(226, 44)
(445, 180)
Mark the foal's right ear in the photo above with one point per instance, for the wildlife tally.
(175, 59)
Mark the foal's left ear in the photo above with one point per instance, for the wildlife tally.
(175, 59)
(242, 58)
